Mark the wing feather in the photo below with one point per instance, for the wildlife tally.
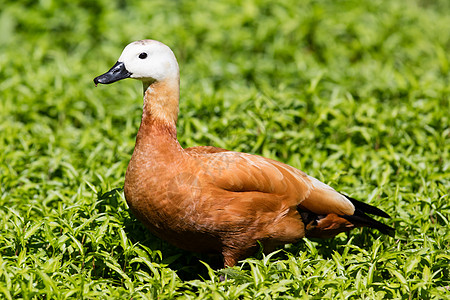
(241, 172)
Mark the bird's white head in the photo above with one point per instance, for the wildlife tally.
(146, 60)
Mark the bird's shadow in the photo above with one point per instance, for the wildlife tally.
(188, 265)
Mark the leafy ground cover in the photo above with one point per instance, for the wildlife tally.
(355, 93)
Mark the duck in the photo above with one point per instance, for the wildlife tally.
(213, 200)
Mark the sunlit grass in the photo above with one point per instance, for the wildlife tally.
(354, 93)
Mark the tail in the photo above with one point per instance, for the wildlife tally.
(327, 226)
(361, 219)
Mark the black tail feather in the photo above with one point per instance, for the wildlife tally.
(363, 219)
(366, 208)
(360, 216)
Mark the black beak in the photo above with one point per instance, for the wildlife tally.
(117, 72)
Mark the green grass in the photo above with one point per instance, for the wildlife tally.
(355, 93)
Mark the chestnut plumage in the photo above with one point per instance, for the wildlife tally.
(209, 199)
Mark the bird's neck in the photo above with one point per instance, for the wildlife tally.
(161, 101)
(158, 132)
(160, 111)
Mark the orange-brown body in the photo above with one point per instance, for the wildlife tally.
(208, 199)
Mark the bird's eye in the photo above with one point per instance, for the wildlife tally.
(143, 55)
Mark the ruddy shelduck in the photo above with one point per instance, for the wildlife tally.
(208, 199)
